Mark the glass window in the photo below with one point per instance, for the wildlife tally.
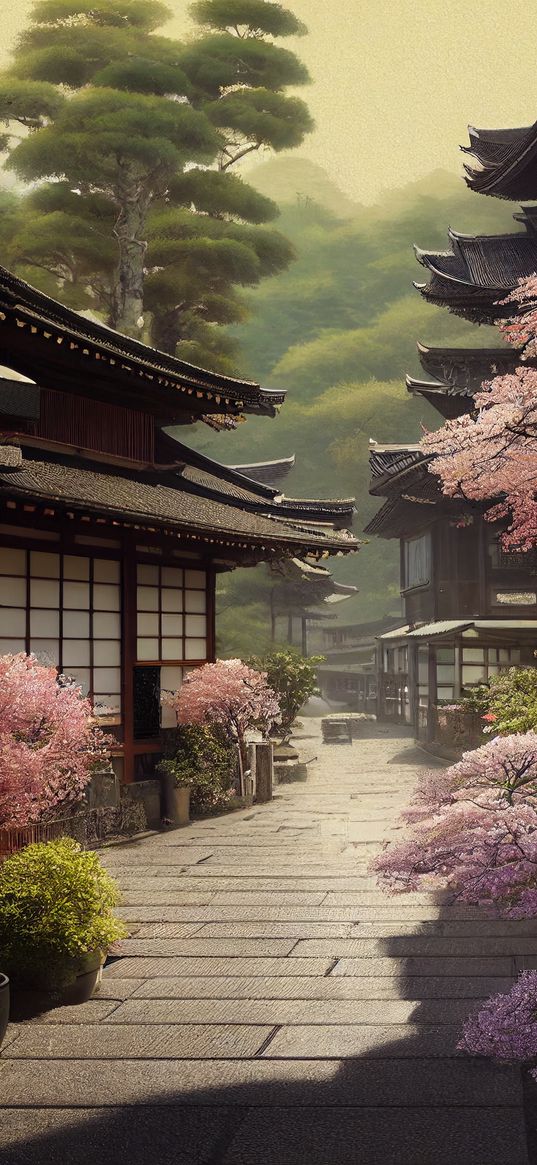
(473, 654)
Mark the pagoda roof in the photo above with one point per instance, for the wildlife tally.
(168, 503)
(478, 272)
(465, 369)
(391, 465)
(58, 348)
(506, 162)
(267, 472)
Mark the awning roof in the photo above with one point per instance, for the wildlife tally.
(450, 627)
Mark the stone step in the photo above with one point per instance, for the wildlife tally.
(327, 987)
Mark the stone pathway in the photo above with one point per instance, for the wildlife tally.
(271, 1005)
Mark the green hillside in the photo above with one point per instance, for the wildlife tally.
(338, 330)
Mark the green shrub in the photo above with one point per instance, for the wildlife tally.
(56, 903)
(512, 700)
(293, 678)
(203, 758)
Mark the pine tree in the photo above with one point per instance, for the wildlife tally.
(128, 138)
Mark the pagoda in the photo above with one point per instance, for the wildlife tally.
(112, 531)
(457, 374)
(479, 271)
(506, 162)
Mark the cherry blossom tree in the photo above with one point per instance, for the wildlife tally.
(491, 454)
(505, 1027)
(48, 743)
(474, 830)
(229, 693)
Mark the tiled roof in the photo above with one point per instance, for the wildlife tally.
(506, 162)
(143, 499)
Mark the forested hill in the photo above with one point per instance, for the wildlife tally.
(338, 330)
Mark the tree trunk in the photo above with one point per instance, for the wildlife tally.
(128, 296)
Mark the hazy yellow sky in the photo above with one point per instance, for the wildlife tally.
(396, 81)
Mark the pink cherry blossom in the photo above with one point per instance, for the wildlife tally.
(48, 744)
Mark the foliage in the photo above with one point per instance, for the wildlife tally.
(512, 700)
(227, 693)
(56, 904)
(48, 745)
(474, 828)
(505, 1027)
(206, 760)
(293, 678)
(120, 124)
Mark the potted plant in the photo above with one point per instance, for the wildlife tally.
(56, 923)
(199, 772)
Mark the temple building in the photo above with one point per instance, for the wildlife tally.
(457, 374)
(470, 608)
(479, 271)
(112, 531)
(506, 162)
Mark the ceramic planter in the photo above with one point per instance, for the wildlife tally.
(181, 804)
(37, 995)
(4, 1005)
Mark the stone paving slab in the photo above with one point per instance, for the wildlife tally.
(419, 945)
(170, 1136)
(212, 947)
(259, 1082)
(141, 1042)
(424, 966)
(158, 968)
(365, 1041)
(400, 1137)
(315, 987)
(290, 1011)
(370, 916)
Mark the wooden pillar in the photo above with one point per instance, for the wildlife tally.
(128, 656)
(264, 764)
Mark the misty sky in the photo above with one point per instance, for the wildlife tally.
(396, 81)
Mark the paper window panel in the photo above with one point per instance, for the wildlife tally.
(196, 626)
(473, 654)
(172, 649)
(172, 576)
(12, 646)
(195, 649)
(76, 625)
(445, 673)
(81, 677)
(473, 673)
(147, 574)
(45, 624)
(106, 625)
(172, 600)
(196, 602)
(12, 592)
(172, 626)
(148, 598)
(106, 653)
(106, 598)
(107, 679)
(47, 651)
(44, 565)
(76, 653)
(147, 624)
(171, 679)
(75, 568)
(106, 571)
(12, 561)
(107, 704)
(197, 579)
(12, 621)
(168, 717)
(44, 593)
(76, 596)
(147, 649)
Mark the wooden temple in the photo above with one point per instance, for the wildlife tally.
(470, 608)
(112, 531)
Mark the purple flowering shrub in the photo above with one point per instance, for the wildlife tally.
(505, 1027)
(473, 829)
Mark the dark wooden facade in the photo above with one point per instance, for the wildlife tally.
(112, 532)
